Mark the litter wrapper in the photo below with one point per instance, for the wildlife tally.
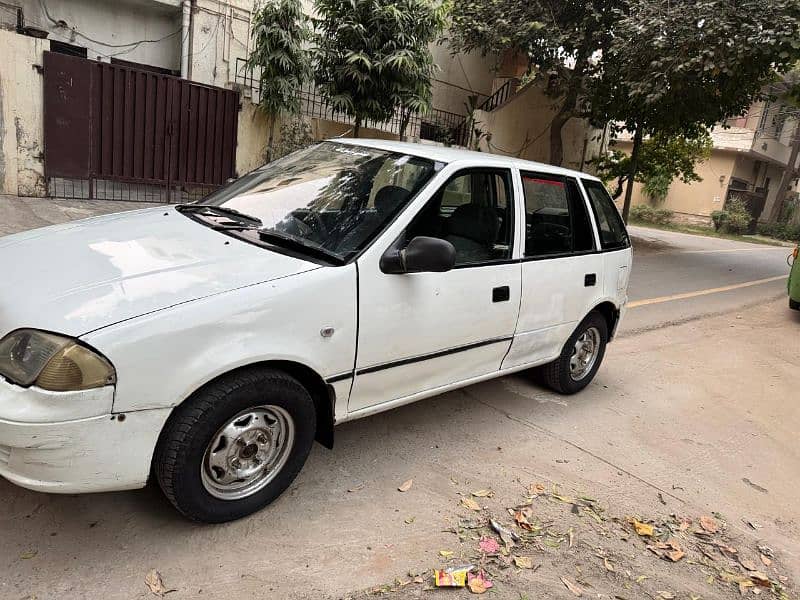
(452, 576)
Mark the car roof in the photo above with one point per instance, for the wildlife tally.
(454, 155)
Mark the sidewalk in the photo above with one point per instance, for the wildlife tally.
(19, 213)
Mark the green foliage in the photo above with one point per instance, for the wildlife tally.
(295, 135)
(780, 231)
(662, 159)
(279, 57)
(734, 218)
(645, 213)
(372, 57)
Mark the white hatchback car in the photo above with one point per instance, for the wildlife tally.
(212, 343)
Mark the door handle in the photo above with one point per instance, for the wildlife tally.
(590, 279)
(501, 294)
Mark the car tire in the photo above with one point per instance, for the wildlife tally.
(564, 374)
(794, 304)
(236, 445)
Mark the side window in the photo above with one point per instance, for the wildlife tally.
(474, 212)
(556, 219)
(612, 229)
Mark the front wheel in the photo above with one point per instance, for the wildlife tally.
(236, 445)
(580, 358)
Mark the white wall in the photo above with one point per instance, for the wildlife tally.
(21, 165)
(111, 22)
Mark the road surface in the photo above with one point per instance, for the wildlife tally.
(689, 414)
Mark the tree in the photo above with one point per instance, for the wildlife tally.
(678, 68)
(789, 93)
(662, 159)
(281, 32)
(563, 41)
(372, 57)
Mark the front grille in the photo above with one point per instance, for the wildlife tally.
(5, 455)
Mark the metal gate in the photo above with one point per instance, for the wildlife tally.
(118, 132)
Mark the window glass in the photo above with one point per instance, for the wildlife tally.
(582, 234)
(609, 222)
(474, 213)
(331, 198)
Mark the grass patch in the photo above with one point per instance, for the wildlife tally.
(707, 232)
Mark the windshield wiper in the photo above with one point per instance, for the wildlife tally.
(220, 210)
(270, 235)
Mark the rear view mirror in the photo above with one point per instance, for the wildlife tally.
(421, 255)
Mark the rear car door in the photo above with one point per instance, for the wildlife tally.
(562, 272)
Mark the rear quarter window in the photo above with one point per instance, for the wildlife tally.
(613, 235)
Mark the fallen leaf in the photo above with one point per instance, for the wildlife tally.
(483, 494)
(419, 580)
(572, 587)
(744, 584)
(760, 579)
(709, 524)
(534, 489)
(478, 584)
(608, 565)
(446, 553)
(523, 562)
(643, 529)
(521, 517)
(749, 565)
(676, 555)
(489, 545)
(641, 578)
(765, 560)
(29, 554)
(666, 595)
(470, 504)
(156, 585)
(360, 486)
(571, 536)
(410, 520)
(406, 486)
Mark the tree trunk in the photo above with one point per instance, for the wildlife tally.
(271, 138)
(357, 127)
(789, 173)
(634, 165)
(405, 117)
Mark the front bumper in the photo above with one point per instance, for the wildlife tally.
(73, 454)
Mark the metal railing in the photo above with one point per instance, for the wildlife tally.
(126, 191)
(436, 125)
(503, 93)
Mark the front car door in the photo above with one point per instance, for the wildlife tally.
(421, 332)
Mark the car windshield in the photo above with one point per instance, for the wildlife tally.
(333, 198)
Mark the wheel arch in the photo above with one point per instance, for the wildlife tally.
(321, 393)
(610, 313)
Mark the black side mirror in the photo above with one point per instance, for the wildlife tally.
(421, 255)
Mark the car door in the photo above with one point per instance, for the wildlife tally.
(420, 332)
(562, 273)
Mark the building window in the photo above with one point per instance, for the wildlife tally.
(69, 49)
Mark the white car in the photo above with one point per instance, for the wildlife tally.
(212, 343)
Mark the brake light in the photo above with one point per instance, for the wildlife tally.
(796, 251)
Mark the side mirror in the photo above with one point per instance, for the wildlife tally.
(421, 255)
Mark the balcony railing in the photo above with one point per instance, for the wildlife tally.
(436, 125)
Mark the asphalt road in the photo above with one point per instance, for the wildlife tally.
(677, 277)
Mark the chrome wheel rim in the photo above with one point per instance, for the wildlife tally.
(247, 452)
(584, 353)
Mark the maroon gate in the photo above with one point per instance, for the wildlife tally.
(117, 132)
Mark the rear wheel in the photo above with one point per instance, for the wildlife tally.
(794, 304)
(236, 445)
(580, 358)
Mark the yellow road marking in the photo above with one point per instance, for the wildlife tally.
(717, 290)
(784, 248)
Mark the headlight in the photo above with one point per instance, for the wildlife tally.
(52, 362)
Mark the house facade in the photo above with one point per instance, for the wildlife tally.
(749, 156)
(123, 99)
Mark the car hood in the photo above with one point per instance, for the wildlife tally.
(81, 276)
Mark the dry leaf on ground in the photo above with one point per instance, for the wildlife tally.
(355, 488)
(572, 587)
(483, 494)
(709, 524)
(156, 584)
(760, 579)
(766, 561)
(470, 504)
(29, 554)
(666, 595)
(406, 485)
(446, 553)
(489, 545)
(478, 584)
(523, 562)
(534, 489)
(643, 529)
